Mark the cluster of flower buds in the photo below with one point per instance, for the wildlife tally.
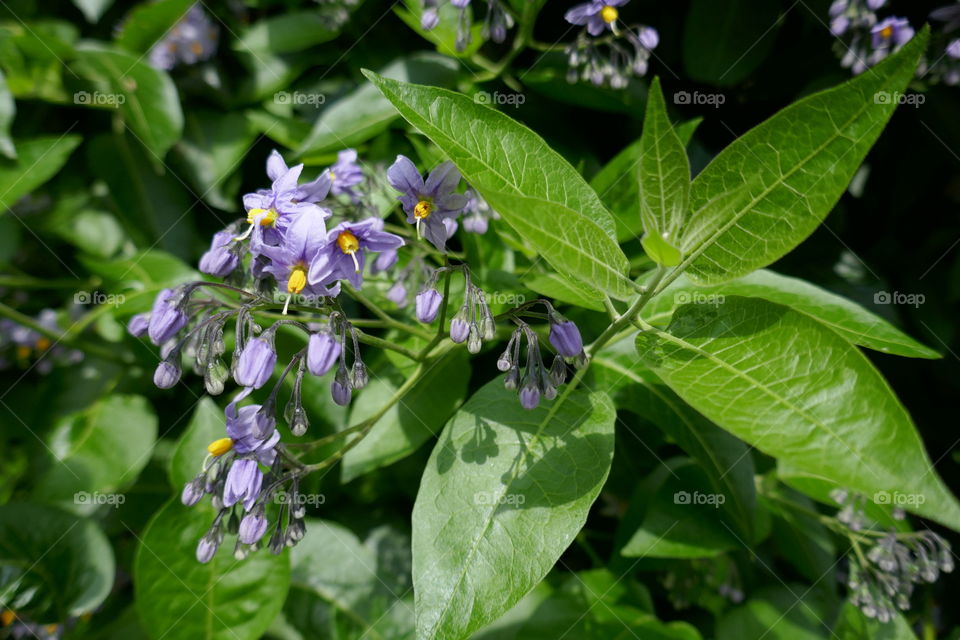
(946, 66)
(621, 52)
(537, 381)
(863, 39)
(193, 39)
(496, 23)
(882, 580)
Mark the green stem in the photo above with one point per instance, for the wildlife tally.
(29, 282)
(380, 343)
(628, 316)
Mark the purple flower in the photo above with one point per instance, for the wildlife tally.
(429, 19)
(271, 211)
(243, 483)
(322, 353)
(428, 203)
(256, 363)
(251, 430)
(953, 50)
(384, 261)
(477, 214)
(341, 393)
(397, 294)
(219, 260)
(529, 396)
(428, 305)
(191, 40)
(891, 32)
(166, 375)
(252, 527)
(290, 261)
(344, 254)
(138, 325)
(206, 549)
(345, 174)
(459, 329)
(192, 492)
(166, 317)
(598, 15)
(565, 338)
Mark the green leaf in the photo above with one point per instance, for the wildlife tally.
(682, 516)
(149, 22)
(207, 424)
(145, 97)
(564, 290)
(212, 148)
(409, 423)
(722, 48)
(8, 109)
(768, 190)
(354, 581)
(98, 451)
(799, 392)
(620, 192)
(498, 479)
(289, 32)
(552, 208)
(850, 320)
(225, 599)
(363, 113)
(787, 612)
(725, 459)
(800, 538)
(53, 565)
(663, 172)
(38, 160)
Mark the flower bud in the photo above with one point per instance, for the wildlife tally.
(207, 548)
(398, 294)
(529, 395)
(220, 260)
(252, 527)
(256, 364)
(428, 305)
(167, 374)
(565, 338)
(459, 327)
(322, 353)
(166, 318)
(192, 492)
(137, 327)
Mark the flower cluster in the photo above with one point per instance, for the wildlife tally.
(946, 66)
(193, 39)
(284, 256)
(864, 39)
(496, 23)
(882, 580)
(607, 52)
(26, 347)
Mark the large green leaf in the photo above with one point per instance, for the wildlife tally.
(504, 493)
(145, 97)
(412, 421)
(767, 191)
(725, 459)
(225, 599)
(98, 451)
(798, 391)
(38, 160)
(551, 207)
(850, 320)
(618, 190)
(355, 588)
(363, 113)
(53, 565)
(663, 173)
(149, 23)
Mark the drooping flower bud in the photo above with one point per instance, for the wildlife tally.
(565, 338)
(253, 526)
(256, 364)
(428, 305)
(322, 353)
(460, 325)
(166, 317)
(138, 325)
(398, 294)
(192, 492)
(167, 374)
(220, 260)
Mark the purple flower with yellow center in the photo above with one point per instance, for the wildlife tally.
(271, 211)
(428, 203)
(345, 174)
(290, 260)
(344, 254)
(597, 15)
(220, 260)
(891, 33)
